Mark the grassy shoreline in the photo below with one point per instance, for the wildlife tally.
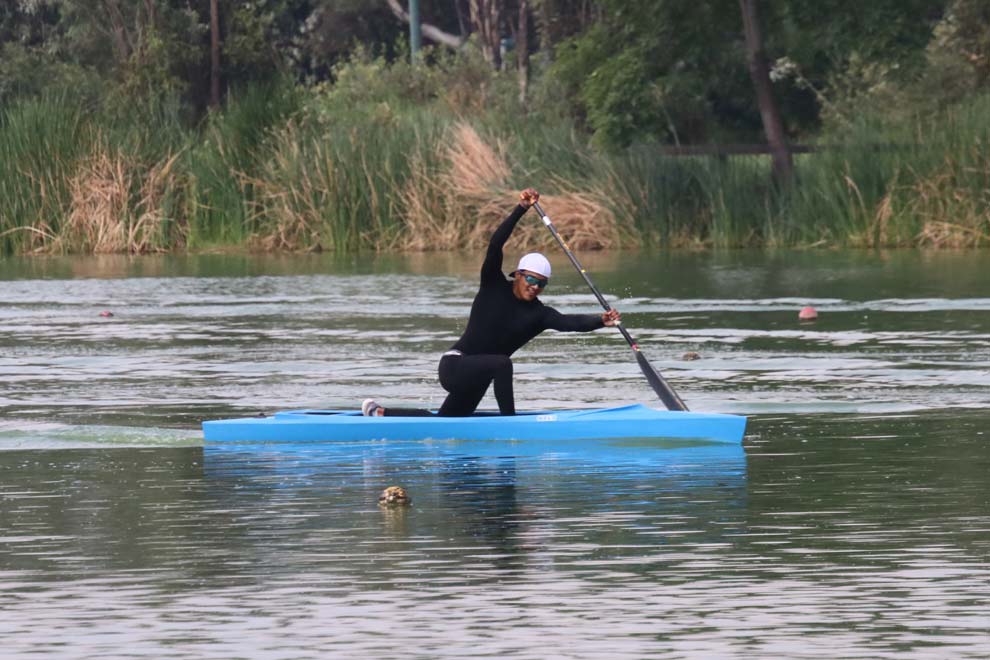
(343, 168)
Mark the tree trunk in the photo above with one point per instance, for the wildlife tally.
(522, 50)
(485, 16)
(214, 54)
(461, 22)
(759, 71)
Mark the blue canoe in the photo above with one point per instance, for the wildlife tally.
(635, 421)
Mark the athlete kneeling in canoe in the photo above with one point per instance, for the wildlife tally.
(505, 315)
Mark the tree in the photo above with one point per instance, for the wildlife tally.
(558, 20)
(486, 18)
(759, 71)
(521, 34)
(648, 70)
(215, 53)
(672, 71)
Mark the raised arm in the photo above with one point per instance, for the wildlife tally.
(491, 269)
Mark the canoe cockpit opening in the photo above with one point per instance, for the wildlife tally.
(357, 413)
(332, 413)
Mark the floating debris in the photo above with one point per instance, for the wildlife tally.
(691, 355)
(394, 496)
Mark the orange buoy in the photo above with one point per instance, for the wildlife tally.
(808, 313)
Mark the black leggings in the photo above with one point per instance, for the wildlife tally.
(466, 378)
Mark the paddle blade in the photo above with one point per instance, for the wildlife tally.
(667, 395)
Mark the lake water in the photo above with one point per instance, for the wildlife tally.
(854, 522)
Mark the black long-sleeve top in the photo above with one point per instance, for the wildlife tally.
(499, 322)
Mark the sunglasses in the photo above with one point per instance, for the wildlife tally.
(536, 281)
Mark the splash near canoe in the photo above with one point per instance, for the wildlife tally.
(635, 421)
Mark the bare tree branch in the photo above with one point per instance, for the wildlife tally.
(431, 32)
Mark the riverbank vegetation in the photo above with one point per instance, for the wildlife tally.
(342, 144)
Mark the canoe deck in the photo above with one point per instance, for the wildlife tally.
(634, 421)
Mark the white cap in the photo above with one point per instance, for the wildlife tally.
(535, 262)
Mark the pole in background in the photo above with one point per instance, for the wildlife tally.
(415, 34)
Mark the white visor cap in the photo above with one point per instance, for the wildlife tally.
(535, 262)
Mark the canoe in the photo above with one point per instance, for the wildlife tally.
(324, 426)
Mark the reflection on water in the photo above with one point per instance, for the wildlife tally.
(825, 538)
(854, 521)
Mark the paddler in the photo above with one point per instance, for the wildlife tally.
(505, 315)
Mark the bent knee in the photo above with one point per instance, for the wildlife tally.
(502, 364)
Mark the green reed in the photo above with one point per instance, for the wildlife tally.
(222, 158)
(360, 166)
(40, 139)
(919, 182)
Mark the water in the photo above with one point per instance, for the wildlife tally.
(853, 523)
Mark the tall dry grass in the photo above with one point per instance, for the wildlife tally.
(459, 204)
(945, 204)
(117, 206)
(420, 187)
(953, 203)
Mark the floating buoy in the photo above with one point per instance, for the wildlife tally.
(691, 355)
(106, 314)
(394, 496)
(808, 313)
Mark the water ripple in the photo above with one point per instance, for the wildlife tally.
(853, 522)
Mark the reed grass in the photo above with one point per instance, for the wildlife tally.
(917, 184)
(40, 139)
(111, 211)
(430, 167)
(219, 199)
(336, 186)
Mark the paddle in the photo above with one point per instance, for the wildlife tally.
(659, 385)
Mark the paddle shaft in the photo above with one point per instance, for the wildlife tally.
(660, 386)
